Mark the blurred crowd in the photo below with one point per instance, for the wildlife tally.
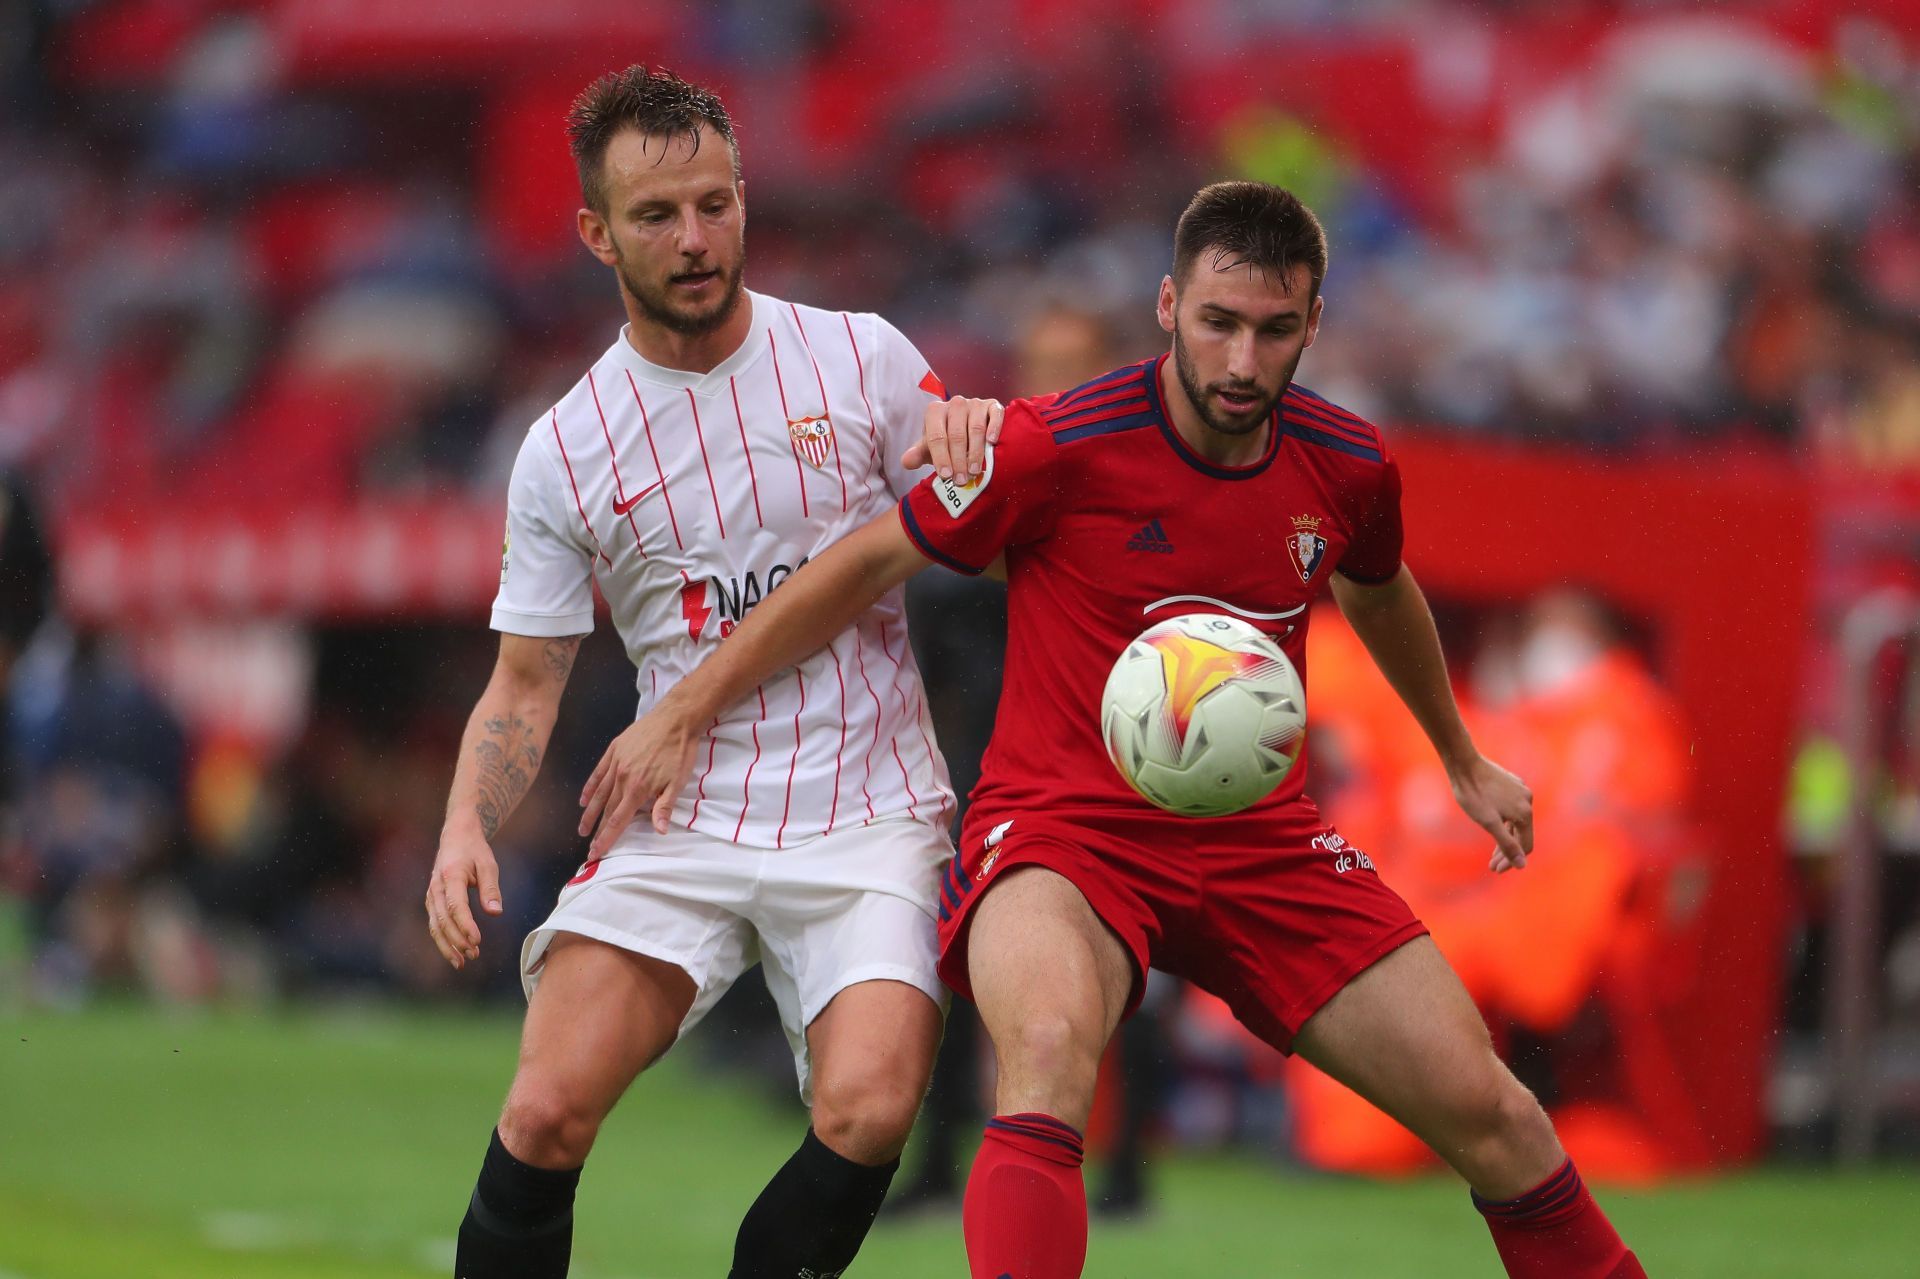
(228, 275)
(234, 275)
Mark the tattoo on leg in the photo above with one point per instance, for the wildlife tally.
(559, 655)
(507, 758)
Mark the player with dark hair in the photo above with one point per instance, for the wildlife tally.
(1249, 496)
(722, 440)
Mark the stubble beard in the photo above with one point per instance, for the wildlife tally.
(658, 307)
(1202, 402)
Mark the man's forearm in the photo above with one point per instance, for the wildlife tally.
(1395, 624)
(500, 755)
(819, 601)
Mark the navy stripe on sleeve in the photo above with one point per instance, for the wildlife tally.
(927, 548)
(1107, 380)
(1131, 422)
(1300, 430)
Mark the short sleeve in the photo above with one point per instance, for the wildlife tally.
(902, 385)
(1373, 556)
(965, 526)
(546, 567)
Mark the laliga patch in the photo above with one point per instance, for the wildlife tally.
(956, 496)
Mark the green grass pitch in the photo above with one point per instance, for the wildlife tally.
(136, 1145)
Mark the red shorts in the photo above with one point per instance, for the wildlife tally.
(1273, 912)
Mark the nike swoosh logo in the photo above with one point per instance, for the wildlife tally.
(621, 508)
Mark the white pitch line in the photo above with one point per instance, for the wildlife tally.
(236, 1231)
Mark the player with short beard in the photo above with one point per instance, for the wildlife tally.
(1253, 495)
(721, 441)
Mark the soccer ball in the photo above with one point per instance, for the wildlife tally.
(1203, 715)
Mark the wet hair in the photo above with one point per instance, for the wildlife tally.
(1251, 224)
(656, 102)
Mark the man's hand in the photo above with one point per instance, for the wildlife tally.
(465, 861)
(644, 766)
(957, 434)
(1501, 804)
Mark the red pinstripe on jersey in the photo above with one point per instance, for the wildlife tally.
(702, 440)
(747, 452)
(666, 491)
(779, 836)
(913, 800)
(799, 471)
(746, 784)
(860, 367)
(860, 658)
(826, 405)
(613, 460)
(565, 461)
(899, 671)
(833, 809)
(700, 791)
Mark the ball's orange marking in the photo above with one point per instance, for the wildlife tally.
(1194, 668)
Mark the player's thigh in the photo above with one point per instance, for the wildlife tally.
(598, 1017)
(1051, 981)
(1405, 1036)
(848, 945)
(876, 1031)
(872, 1050)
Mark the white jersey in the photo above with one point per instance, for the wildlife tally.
(688, 497)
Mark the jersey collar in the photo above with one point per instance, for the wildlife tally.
(1187, 455)
(743, 356)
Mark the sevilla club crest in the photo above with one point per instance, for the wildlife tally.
(812, 438)
(1306, 545)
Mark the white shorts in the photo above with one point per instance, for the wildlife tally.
(856, 905)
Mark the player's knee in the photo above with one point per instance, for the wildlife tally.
(1050, 1046)
(867, 1118)
(1501, 1132)
(1527, 1133)
(1512, 1114)
(1492, 1108)
(542, 1125)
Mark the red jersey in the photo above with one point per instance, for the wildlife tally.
(1111, 523)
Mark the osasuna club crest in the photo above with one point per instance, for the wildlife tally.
(812, 438)
(1306, 545)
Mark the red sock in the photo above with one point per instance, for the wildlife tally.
(1557, 1231)
(1025, 1215)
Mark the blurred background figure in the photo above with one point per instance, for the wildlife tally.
(1564, 967)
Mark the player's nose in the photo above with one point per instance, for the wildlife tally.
(693, 236)
(1242, 367)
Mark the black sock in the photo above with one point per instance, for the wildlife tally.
(519, 1223)
(812, 1216)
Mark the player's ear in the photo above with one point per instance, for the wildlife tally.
(1313, 320)
(597, 236)
(1164, 310)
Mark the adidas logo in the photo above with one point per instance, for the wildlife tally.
(1152, 538)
